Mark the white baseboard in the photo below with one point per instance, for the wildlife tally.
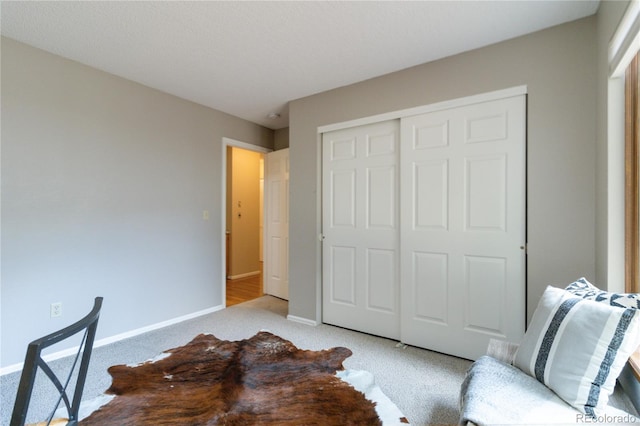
(108, 340)
(245, 275)
(301, 320)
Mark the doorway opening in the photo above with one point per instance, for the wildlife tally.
(244, 219)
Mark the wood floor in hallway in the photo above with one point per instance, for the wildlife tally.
(243, 289)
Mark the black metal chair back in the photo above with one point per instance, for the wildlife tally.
(33, 361)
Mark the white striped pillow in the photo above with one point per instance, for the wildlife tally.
(577, 347)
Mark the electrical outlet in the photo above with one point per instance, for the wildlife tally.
(56, 309)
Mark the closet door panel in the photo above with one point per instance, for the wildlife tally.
(361, 288)
(463, 197)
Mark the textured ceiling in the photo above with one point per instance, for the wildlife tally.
(249, 59)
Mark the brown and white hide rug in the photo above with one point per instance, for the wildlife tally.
(264, 380)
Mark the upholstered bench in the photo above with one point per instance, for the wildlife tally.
(496, 392)
(565, 368)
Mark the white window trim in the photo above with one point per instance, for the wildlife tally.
(623, 46)
(625, 42)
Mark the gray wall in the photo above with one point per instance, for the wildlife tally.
(281, 139)
(103, 186)
(559, 67)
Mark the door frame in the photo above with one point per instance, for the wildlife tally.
(228, 142)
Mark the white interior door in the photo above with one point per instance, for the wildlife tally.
(276, 253)
(360, 229)
(463, 227)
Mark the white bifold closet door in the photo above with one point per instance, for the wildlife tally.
(424, 227)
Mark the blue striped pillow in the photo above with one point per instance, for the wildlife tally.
(577, 347)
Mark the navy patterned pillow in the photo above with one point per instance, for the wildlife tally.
(584, 289)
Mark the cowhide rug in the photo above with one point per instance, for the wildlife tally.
(264, 380)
